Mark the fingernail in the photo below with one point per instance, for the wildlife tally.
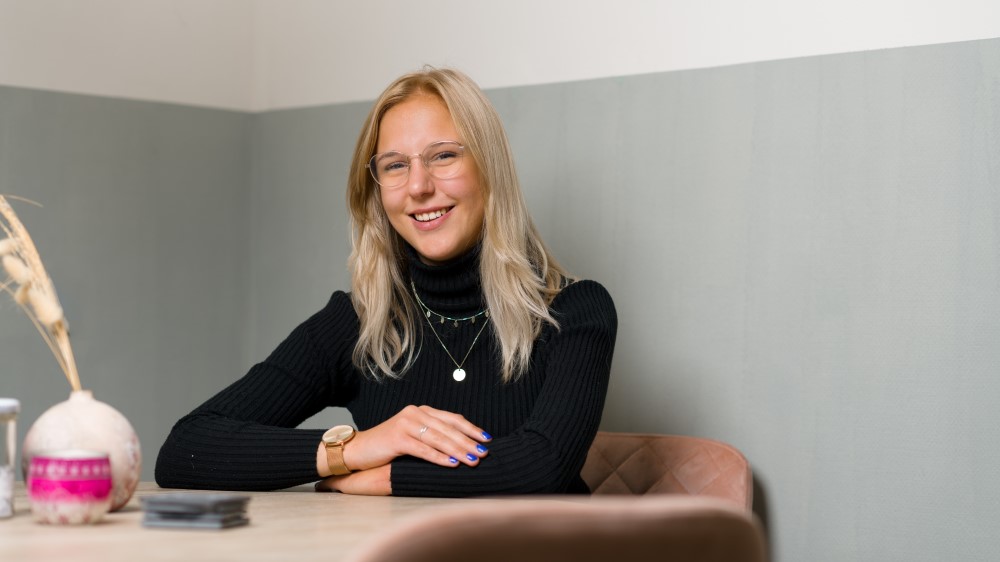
(481, 449)
(452, 460)
(471, 457)
(487, 436)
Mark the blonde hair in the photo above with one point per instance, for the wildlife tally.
(519, 275)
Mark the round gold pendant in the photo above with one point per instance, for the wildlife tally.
(459, 374)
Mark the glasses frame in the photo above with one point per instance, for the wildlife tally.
(423, 160)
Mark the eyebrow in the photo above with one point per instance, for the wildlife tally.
(459, 143)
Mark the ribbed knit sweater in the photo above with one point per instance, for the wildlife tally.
(246, 436)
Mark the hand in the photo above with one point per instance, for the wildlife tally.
(440, 437)
(371, 482)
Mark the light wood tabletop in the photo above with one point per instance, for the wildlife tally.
(294, 524)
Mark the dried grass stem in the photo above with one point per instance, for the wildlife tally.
(35, 293)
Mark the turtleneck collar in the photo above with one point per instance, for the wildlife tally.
(452, 288)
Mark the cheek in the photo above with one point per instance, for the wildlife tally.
(479, 201)
(392, 204)
(384, 199)
(391, 207)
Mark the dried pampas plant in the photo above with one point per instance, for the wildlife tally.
(32, 289)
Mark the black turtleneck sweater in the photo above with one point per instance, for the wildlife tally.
(245, 437)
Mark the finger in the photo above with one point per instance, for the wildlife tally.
(443, 431)
(458, 422)
(433, 455)
(450, 443)
(453, 435)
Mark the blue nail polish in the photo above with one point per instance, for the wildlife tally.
(452, 460)
(487, 436)
(481, 449)
(471, 457)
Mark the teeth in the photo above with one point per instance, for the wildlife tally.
(424, 217)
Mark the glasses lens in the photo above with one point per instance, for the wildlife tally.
(443, 159)
(389, 168)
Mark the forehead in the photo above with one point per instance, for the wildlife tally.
(412, 124)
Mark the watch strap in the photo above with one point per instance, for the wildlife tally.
(335, 459)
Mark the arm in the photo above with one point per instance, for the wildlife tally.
(546, 453)
(244, 438)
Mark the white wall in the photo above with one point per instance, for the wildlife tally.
(191, 52)
(321, 52)
(269, 54)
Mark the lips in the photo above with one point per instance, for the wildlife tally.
(430, 215)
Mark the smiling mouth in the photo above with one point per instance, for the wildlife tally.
(425, 217)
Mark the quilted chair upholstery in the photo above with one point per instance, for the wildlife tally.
(631, 463)
(637, 529)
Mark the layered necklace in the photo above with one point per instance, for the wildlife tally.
(459, 373)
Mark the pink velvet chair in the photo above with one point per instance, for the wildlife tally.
(638, 464)
(598, 529)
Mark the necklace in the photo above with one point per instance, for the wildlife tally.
(459, 373)
(428, 312)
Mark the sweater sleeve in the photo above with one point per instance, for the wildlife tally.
(546, 453)
(244, 437)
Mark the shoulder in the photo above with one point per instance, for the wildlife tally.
(585, 301)
(583, 292)
(340, 300)
(339, 304)
(338, 312)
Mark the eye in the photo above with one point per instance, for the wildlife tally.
(443, 157)
(391, 163)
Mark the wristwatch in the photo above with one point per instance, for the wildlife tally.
(334, 439)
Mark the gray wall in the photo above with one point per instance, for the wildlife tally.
(299, 227)
(143, 231)
(804, 255)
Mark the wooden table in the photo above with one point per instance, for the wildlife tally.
(295, 524)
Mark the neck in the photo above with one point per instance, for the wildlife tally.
(450, 290)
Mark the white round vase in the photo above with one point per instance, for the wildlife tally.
(85, 423)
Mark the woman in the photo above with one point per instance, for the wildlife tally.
(471, 362)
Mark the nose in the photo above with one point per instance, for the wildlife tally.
(419, 181)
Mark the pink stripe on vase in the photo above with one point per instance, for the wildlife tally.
(70, 490)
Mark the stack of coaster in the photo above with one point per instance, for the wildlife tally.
(195, 510)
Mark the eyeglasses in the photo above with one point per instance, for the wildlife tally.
(442, 160)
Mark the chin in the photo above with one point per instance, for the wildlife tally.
(433, 259)
(438, 255)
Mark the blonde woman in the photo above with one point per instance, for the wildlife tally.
(471, 362)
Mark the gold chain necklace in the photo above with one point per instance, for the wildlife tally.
(459, 373)
(428, 312)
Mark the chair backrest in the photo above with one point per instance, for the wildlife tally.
(632, 463)
(675, 528)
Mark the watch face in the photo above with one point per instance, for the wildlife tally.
(338, 434)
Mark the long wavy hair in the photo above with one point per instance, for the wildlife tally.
(519, 275)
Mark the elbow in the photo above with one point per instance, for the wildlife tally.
(175, 466)
(165, 471)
